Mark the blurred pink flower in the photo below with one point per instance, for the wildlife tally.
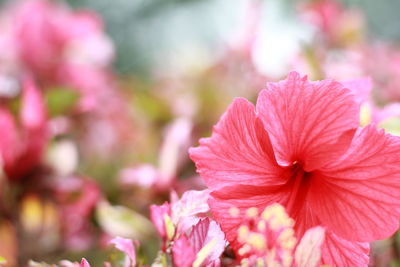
(66, 48)
(77, 198)
(361, 88)
(50, 35)
(172, 155)
(382, 63)
(144, 175)
(38, 46)
(22, 145)
(370, 111)
(304, 149)
(94, 85)
(59, 47)
(338, 24)
(324, 14)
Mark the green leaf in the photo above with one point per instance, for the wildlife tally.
(121, 221)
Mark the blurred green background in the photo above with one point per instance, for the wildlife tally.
(157, 32)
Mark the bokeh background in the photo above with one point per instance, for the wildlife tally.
(175, 67)
(150, 34)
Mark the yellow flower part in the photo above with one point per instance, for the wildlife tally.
(267, 238)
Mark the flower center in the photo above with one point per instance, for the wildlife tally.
(298, 185)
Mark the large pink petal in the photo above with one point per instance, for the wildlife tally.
(338, 252)
(357, 196)
(304, 216)
(303, 118)
(239, 151)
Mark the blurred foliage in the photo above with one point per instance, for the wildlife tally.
(140, 28)
(382, 17)
(145, 30)
(60, 101)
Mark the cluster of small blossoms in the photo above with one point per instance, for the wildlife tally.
(266, 238)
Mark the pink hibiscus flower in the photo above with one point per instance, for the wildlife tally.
(303, 148)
